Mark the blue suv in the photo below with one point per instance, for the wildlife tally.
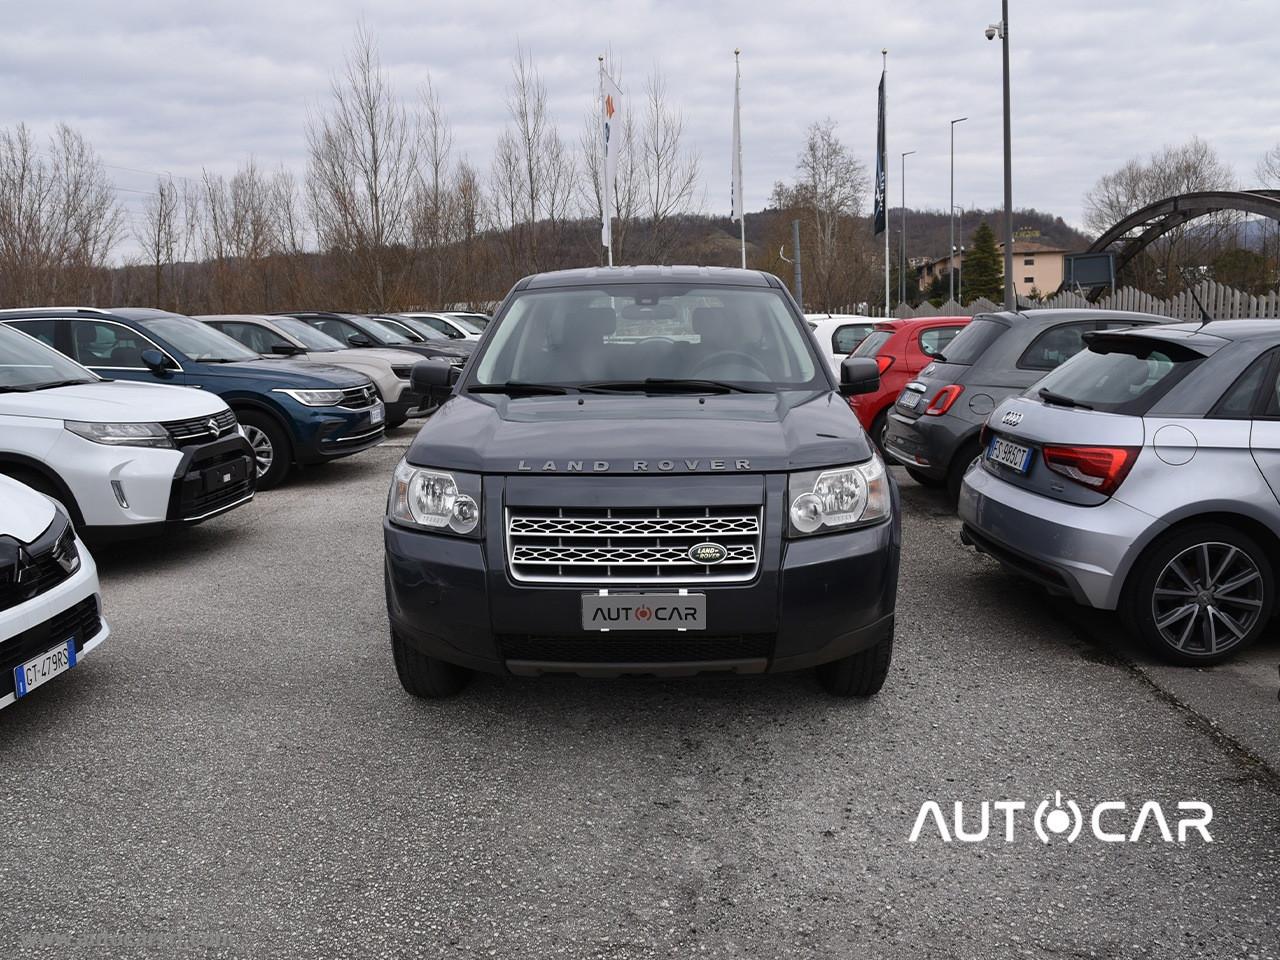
(292, 413)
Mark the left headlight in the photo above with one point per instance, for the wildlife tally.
(435, 500)
(121, 434)
(827, 500)
(313, 398)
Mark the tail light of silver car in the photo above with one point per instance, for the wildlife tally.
(943, 400)
(1099, 468)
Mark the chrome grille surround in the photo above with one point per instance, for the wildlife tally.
(577, 545)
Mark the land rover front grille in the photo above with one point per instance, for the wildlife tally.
(647, 545)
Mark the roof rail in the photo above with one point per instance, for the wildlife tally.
(97, 310)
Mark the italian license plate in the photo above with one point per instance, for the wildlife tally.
(1008, 454)
(33, 673)
(909, 400)
(644, 611)
(377, 414)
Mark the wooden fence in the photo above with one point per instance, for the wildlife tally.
(1221, 302)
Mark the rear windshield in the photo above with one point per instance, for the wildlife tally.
(1118, 375)
(871, 346)
(973, 341)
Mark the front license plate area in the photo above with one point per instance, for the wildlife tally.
(377, 414)
(224, 475)
(39, 670)
(1008, 454)
(644, 611)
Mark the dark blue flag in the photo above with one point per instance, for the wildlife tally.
(881, 212)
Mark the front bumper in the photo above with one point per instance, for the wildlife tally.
(813, 600)
(69, 611)
(329, 433)
(1075, 551)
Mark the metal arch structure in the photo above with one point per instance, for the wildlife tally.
(1157, 219)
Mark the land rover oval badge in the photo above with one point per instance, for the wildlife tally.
(707, 553)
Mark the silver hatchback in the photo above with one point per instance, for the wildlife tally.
(1143, 476)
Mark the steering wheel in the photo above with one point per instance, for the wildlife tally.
(731, 354)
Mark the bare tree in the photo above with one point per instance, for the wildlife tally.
(669, 171)
(1268, 169)
(58, 218)
(159, 235)
(1190, 167)
(361, 177)
(433, 221)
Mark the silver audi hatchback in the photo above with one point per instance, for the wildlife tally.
(1142, 476)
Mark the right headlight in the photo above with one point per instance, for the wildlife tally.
(435, 500)
(822, 501)
(313, 398)
(121, 434)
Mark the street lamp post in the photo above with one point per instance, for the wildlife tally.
(951, 262)
(902, 235)
(1001, 30)
(958, 212)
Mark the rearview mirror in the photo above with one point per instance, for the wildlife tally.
(433, 378)
(859, 375)
(155, 361)
(359, 340)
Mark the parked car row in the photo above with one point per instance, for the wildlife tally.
(125, 422)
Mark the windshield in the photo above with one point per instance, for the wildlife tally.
(387, 330)
(27, 364)
(972, 342)
(310, 337)
(631, 333)
(872, 344)
(472, 321)
(197, 340)
(1117, 375)
(422, 328)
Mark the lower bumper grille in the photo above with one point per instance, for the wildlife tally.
(603, 650)
(79, 622)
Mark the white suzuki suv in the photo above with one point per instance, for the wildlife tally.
(50, 615)
(122, 457)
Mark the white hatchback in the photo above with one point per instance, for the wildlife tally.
(50, 611)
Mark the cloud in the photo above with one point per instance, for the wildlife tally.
(163, 87)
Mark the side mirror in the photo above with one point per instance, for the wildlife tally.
(359, 340)
(859, 375)
(155, 361)
(433, 378)
(287, 350)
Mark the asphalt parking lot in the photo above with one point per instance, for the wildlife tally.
(238, 765)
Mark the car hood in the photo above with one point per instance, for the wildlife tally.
(637, 434)
(116, 401)
(284, 373)
(24, 514)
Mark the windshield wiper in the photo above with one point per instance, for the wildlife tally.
(519, 388)
(1058, 400)
(56, 383)
(666, 385)
(226, 359)
(16, 388)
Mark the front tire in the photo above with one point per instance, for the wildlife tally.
(270, 444)
(1202, 594)
(426, 677)
(860, 675)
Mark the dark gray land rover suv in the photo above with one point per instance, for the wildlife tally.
(643, 470)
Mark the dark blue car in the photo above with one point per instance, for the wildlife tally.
(292, 413)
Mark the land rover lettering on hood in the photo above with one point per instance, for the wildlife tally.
(643, 470)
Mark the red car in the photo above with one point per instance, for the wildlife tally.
(902, 348)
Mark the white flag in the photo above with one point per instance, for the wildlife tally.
(737, 146)
(611, 125)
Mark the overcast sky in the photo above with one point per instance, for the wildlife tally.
(176, 87)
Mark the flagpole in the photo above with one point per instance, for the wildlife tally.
(737, 99)
(606, 198)
(884, 67)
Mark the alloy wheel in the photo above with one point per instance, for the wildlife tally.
(264, 453)
(1207, 598)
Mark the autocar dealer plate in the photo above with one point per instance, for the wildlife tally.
(644, 611)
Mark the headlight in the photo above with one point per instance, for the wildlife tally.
(121, 434)
(313, 398)
(826, 500)
(435, 500)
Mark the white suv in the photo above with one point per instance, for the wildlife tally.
(121, 457)
(50, 613)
